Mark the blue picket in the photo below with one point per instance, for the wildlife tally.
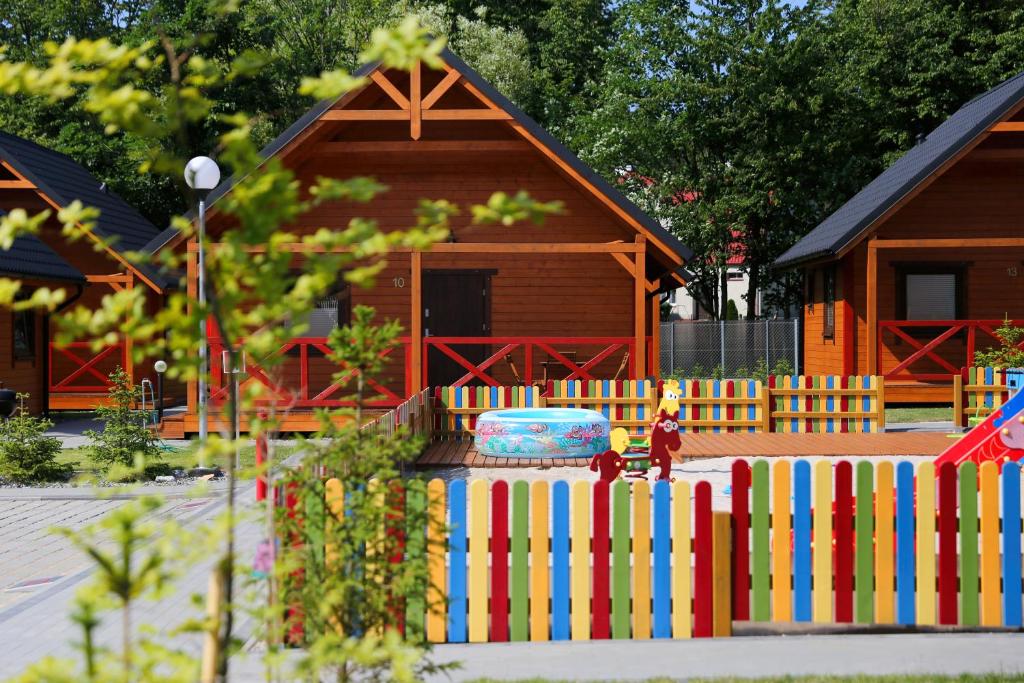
(456, 397)
(989, 380)
(802, 541)
(1011, 544)
(457, 562)
(716, 409)
(865, 382)
(751, 408)
(641, 392)
(662, 589)
(560, 561)
(830, 423)
(794, 403)
(905, 561)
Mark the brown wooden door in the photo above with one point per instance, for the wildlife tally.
(456, 303)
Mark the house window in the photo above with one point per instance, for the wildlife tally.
(23, 330)
(828, 328)
(930, 292)
(330, 313)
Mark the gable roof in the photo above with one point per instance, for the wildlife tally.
(532, 127)
(29, 257)
(853, 219)
(64, 180)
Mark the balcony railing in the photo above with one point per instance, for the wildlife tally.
(75, 368)
(930, 350)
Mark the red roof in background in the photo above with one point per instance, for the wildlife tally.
(736, 249)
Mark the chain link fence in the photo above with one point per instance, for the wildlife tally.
(729, 348)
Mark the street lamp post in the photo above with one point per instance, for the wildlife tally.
(202, 175)
(161, 367)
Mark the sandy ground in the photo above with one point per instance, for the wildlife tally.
(715, 471)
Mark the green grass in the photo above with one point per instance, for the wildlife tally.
(930, 414)
(178, 458)
(965, 678)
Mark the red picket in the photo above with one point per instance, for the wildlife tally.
(703, 612)
(394, 527)
(499, 562)
(695, 410)
(809, 404)
(741, 540)
(730, 408)
(947, 544)
(601, 605)
(771, 405)
(844, 542)
(844, 403)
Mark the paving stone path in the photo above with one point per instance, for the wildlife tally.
(40, 571)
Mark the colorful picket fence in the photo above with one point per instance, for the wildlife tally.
(414, 415)
(787, 404)
(826, 543)
(826, 403)
(877, 544)
(977, 392)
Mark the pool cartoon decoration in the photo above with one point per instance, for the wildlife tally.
(665, 442)
(542, 433)
(611, 463)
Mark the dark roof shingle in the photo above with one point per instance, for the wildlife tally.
(857, 215)
(64, 180)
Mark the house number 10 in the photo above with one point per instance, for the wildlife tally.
(399, 282)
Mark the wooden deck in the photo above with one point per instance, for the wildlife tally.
(463, 454)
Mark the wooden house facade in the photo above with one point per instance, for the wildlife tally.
(72, 377)
(574, 298)
(915, 272)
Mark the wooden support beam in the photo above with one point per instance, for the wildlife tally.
(628, 266)
(16, 185)
(470, 248)
(423, 146)
(639, 307)
(388, 87)
(129, 346)
(466, 115)
(365, 115)
(872, 307)
(441, 88)
(416, 99)
(118, 278)
(951, 243)
(1008, 127)
(415, 371)
(998, 154)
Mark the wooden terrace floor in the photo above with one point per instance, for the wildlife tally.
(463, 454)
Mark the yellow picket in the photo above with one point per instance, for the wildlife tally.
(437, 589)
(641, 560)
(782, 565)
(580, 561)
(925, 514)
(822, 544)
(478, 542)
(885, 608)
(682, 619)
(334, 494)
(540, 543)
(991, 609)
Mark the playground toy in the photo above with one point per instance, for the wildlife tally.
(542, 433)
(612, 462)
(999, 438)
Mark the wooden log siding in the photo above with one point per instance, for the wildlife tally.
(645, 561)
(977, 392)
(787, 404)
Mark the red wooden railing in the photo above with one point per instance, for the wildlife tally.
(280, 385)
(76, 368)
(534, 351)
(952, 346)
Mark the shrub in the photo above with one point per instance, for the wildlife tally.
(125, 435)
(27, 455)
(1006, 356)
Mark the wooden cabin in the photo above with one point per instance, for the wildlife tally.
(913, 274)
(574, 298)
(35, 178)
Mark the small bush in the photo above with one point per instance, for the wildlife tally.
(1009, 355)
(27, 455)
(125, 435)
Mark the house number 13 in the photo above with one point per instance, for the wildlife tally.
(399, 282)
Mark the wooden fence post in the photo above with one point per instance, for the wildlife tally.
(958, 400)
(721, 548)
(766, 408)
(880, 402)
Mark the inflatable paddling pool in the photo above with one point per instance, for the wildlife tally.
(542, 433)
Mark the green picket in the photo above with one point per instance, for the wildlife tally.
(817, 424)
(621, 612)
(864, 526)
(969, 612)
(415, 553)
(759, 522)
(519, 621)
